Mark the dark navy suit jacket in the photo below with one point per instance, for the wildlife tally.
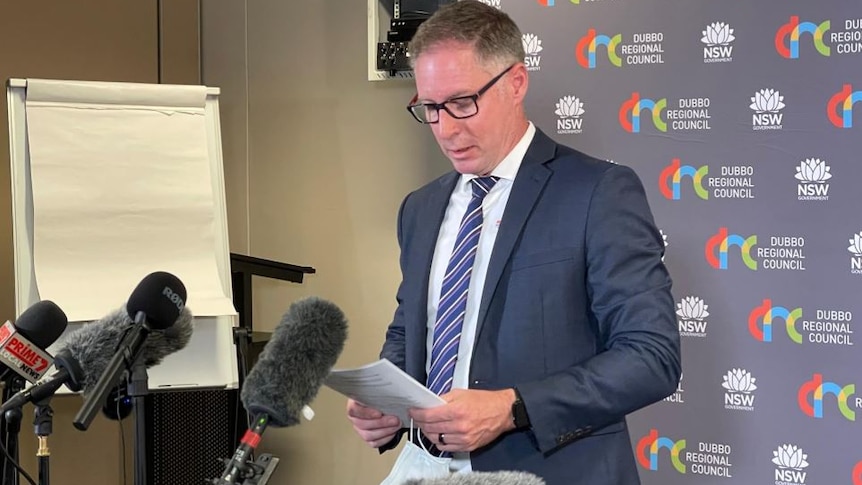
(576, 312)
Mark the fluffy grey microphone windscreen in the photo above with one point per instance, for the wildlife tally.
(293, 364)
(94, 344)
(482, 478)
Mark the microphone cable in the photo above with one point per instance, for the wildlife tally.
(14, 463)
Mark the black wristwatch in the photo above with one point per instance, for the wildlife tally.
(519, 412)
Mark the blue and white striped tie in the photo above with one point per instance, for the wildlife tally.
(453, 293)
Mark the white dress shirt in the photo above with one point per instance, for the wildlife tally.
(492, 212)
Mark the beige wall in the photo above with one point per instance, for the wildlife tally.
(317, 160)
(102, 40)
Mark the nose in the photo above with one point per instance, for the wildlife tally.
(446, 126)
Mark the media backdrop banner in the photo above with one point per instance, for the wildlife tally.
(741, 119)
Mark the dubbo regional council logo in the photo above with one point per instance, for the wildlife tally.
(777, 252)
(828, 37)
(638, 49)
(711, 459)
(730, 181)
(828, 326)
(839, 109)
(687, 114)
(812, 393)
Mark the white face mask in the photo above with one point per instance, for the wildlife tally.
(416, 463)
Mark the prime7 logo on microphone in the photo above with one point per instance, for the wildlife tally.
(21, 355)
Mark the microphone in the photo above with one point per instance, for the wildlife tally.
(85, 354)
(155, 304)
(482, 478)
(290, 370)
(22, 344)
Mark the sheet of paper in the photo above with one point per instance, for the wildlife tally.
(121, 188)
(383, 386)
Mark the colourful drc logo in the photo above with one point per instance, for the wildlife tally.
(846, 98)
(630, 113)
(857, 474)
(793, 29)
(718, 244)
(816, 388)
(671, 176)
(760, 321)
(649, 459)
(585, 52)
(546, 3)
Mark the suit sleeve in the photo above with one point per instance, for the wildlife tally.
(629, 290)
(394, 347)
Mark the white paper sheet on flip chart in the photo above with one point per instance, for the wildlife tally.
(121, 188)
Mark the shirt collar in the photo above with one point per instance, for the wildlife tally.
(508, 167)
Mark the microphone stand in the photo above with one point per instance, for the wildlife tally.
(138, 388)
(43, 422)
(127, 360)
(11, 426)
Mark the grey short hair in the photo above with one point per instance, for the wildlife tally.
(493, 35)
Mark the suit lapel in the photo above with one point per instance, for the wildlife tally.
(531, 179)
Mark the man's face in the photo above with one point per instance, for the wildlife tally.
(477, 144)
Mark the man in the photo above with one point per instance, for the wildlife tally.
(566, 320)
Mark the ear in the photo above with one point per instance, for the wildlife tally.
(519, 80)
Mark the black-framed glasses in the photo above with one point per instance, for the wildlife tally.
(459, 108)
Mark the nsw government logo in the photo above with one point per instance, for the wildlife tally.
(718, 37)
(569, 110)
(532, 47)
(739, 390)
(767, 105)
(855, 249)
(812, 393)
(812, 174)
(496, 3)
(790, 462)
(692, 313)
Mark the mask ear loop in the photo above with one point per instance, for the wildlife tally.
(419, 440)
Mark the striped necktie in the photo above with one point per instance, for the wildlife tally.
(453, 293)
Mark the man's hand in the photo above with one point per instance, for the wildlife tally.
(374, 427)
(469, 420)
